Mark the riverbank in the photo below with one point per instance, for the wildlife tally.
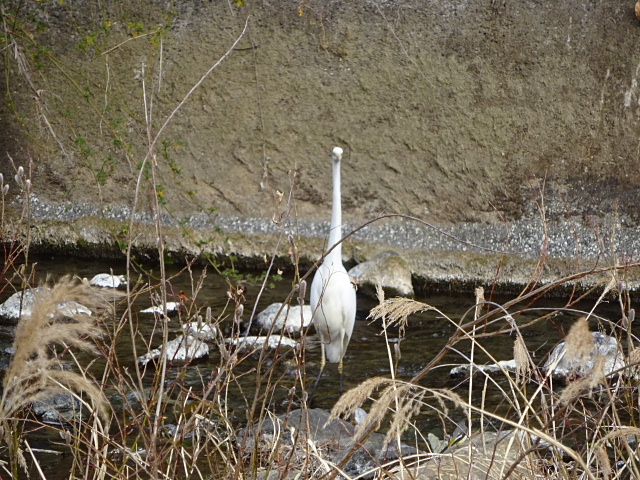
(449, 256)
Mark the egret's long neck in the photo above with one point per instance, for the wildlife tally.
(335, 232)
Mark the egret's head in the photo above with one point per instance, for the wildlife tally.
(337, 154)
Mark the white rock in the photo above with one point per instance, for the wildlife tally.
(272, 341)
(288, 319)
(71, 309)
(171, 307)
(508, 365)
(182, 348)
(437, 445)
(359, 416)
(108, 280)
(201, 330)
(11, 307)
(603, 345)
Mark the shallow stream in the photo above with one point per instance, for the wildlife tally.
(367, 355)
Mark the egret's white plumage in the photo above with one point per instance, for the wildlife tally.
(333, 296)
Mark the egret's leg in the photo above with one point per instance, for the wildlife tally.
(341, 376)
(315, 384)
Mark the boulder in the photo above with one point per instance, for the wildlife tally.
(287, 318)
(21, 303)
(172, 307)
(203, 331)
(467, 369)
(271, 341)
(183, 348)
(107, 280)
(388, 269)
(58, 408)
(486, 456)
(332, 438)
(603, 345)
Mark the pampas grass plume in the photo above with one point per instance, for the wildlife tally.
(35, 370)
(579, 342)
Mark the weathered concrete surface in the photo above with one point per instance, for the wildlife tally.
(460, 113)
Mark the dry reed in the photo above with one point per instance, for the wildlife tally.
(396, 311)
(57, 322)
(521, 357)
(579, 343)
(351, 400)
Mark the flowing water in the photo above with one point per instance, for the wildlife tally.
(368, 353)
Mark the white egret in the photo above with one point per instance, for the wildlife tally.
(333, 296)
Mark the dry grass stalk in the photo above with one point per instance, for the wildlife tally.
(394, 392)
(596, 378)
(598, 374)
(574, 389)
(633, 361)
(406, 397)
(621, 432)
(409, 408)
(479, 292)
(521, 358)
(397, 310)
(602, 459)
(579, 343)
(348, 403)
(380, 408)
(380, 293)
(634, 356)
(35, 370)
(453, 397)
